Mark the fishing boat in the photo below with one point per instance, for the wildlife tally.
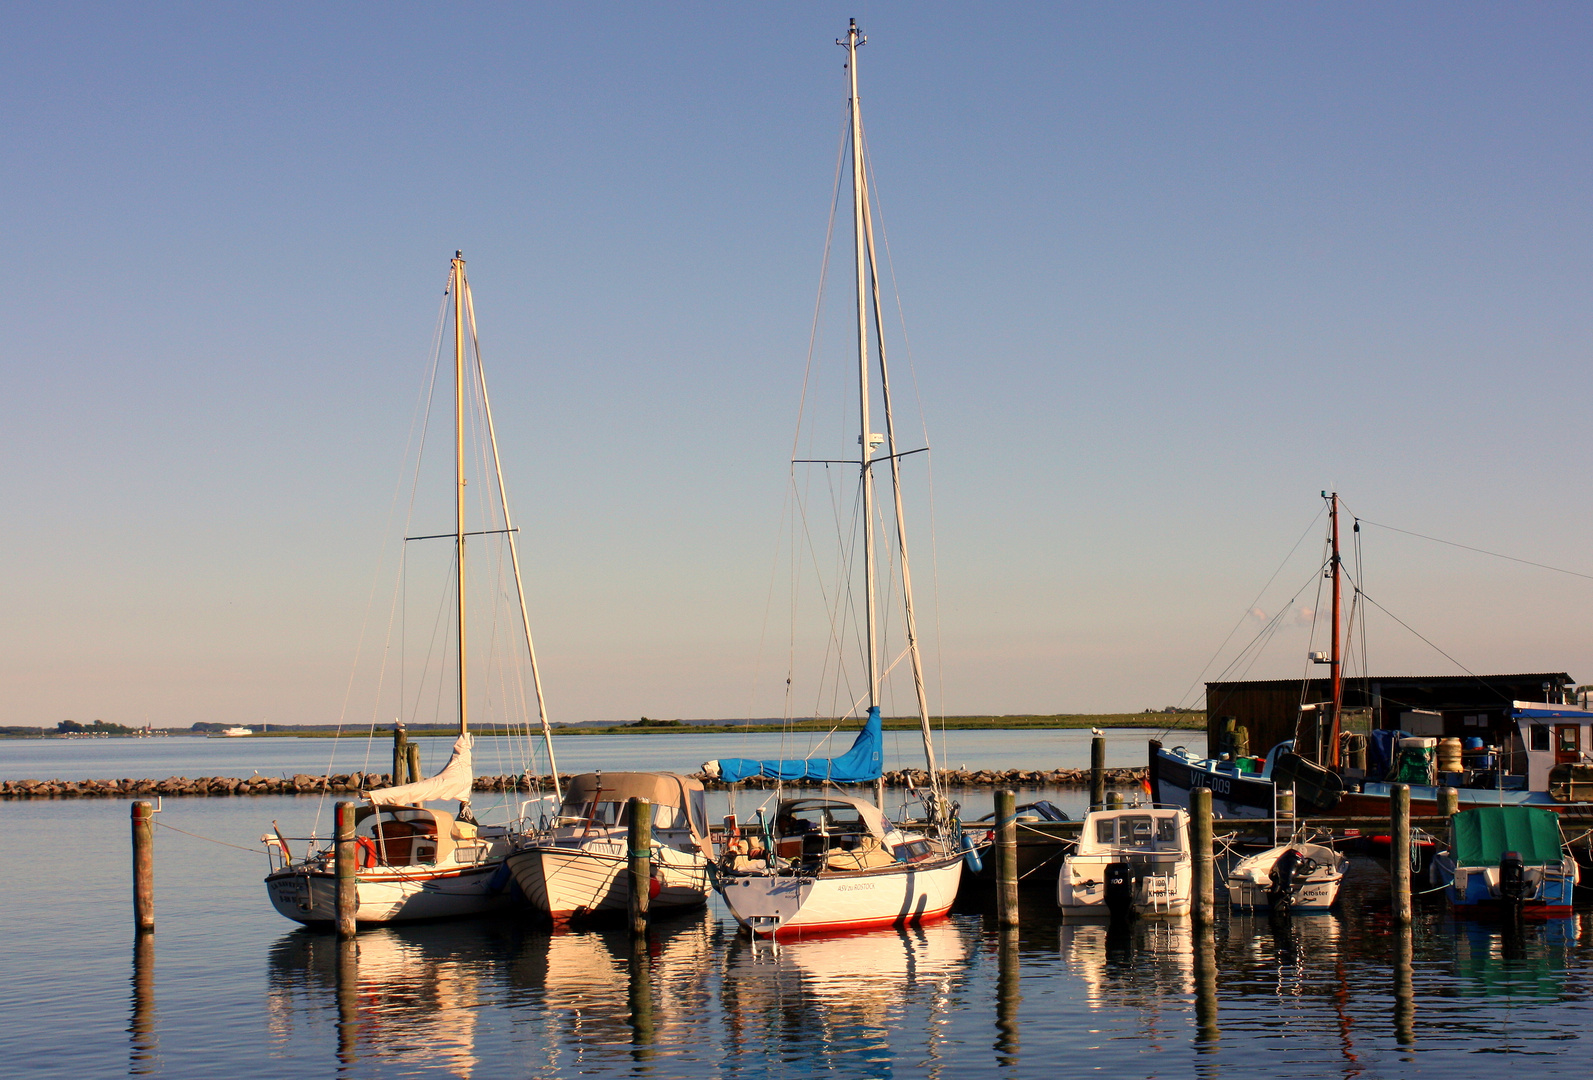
(1291, 878)
(1333, 769)
(1506, 861)
(1133, 861)
(416, 862)
(578, 867)
(835, 862)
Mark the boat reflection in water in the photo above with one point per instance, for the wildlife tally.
(432, 996)
(1524, 961)
(410, 992)
(1147, 964)
(844, 995)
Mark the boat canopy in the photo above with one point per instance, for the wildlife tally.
(1482, 836)
(453, 782)
(825, 807)
(664, 790)
(863, 763)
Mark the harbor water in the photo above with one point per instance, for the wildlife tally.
(225, 985)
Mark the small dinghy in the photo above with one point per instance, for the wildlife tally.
(1131, 861)
(1288, 879)
(1508, 861)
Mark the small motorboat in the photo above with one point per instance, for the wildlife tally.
(1508, 861)
(1287, 879)
(1130, 861)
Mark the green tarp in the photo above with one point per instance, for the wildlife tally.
(1483, 835)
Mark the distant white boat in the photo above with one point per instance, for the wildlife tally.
(231, 733)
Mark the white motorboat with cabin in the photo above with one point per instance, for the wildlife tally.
(834, 862)
(578, 867)
(1129, 861)
(414, 862)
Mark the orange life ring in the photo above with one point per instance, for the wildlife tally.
(365, 856)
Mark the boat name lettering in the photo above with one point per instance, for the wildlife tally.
(853, 888)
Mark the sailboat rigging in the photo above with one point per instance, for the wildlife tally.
(836, 862)
(416, 862)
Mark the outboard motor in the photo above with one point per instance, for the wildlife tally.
(1280, 894)
(1512, 880)
(1120, 890)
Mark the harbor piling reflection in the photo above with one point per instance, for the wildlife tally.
(639, 996)
(1404, 987)
(1009, 995)
(1206, 1030)
(143, 1043)
(348, 1001)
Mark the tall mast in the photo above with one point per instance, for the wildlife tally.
(1335, 666)
(864, 438)
(514, 551)
(458, 285)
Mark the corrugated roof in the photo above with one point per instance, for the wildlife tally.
(1539, 676)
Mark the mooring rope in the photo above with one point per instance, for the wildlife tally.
(223, 843)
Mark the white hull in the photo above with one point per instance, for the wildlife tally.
(389, 894)
(1162, 885)
(566, 883)
(791, 905)
(1250, 879)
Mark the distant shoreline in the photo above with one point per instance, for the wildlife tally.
(1059, 722)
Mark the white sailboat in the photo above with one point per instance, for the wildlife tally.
(579, 867)
(415, 862)
(835, 862)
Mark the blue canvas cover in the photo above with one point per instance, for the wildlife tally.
(863, 763)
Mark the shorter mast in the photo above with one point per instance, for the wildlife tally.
(514, 551)
(1335, 669)
(457, 283)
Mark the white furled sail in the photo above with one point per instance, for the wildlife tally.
(454, 782)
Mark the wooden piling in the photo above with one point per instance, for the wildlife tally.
(1114, 800)
(641, 862)
(1098, 772)
(1007, 858)
(879, 791)
(400, 756)
(1203, 902)
(413, 750)
(1448, 801)
(144, 866)
(348, 895)
(1399, 852)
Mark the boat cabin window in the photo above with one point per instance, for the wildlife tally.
(617, 815)
(1568, 739)
(802, 820)
(1540, 736)
(1138, 831)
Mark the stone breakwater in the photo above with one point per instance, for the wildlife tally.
(304, 784)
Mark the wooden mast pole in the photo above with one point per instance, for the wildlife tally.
(458, 286)
(1336, 667)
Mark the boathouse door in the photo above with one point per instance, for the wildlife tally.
(1567, 743)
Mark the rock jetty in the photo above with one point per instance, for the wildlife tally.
(304, 784)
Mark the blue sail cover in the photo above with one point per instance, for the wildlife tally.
(862, 763)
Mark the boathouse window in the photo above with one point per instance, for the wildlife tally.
(1540, 736)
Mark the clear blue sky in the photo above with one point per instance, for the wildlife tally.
(1168, 271)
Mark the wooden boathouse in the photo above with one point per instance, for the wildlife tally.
(1437, 705)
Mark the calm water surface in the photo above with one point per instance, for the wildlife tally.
(227, 986)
